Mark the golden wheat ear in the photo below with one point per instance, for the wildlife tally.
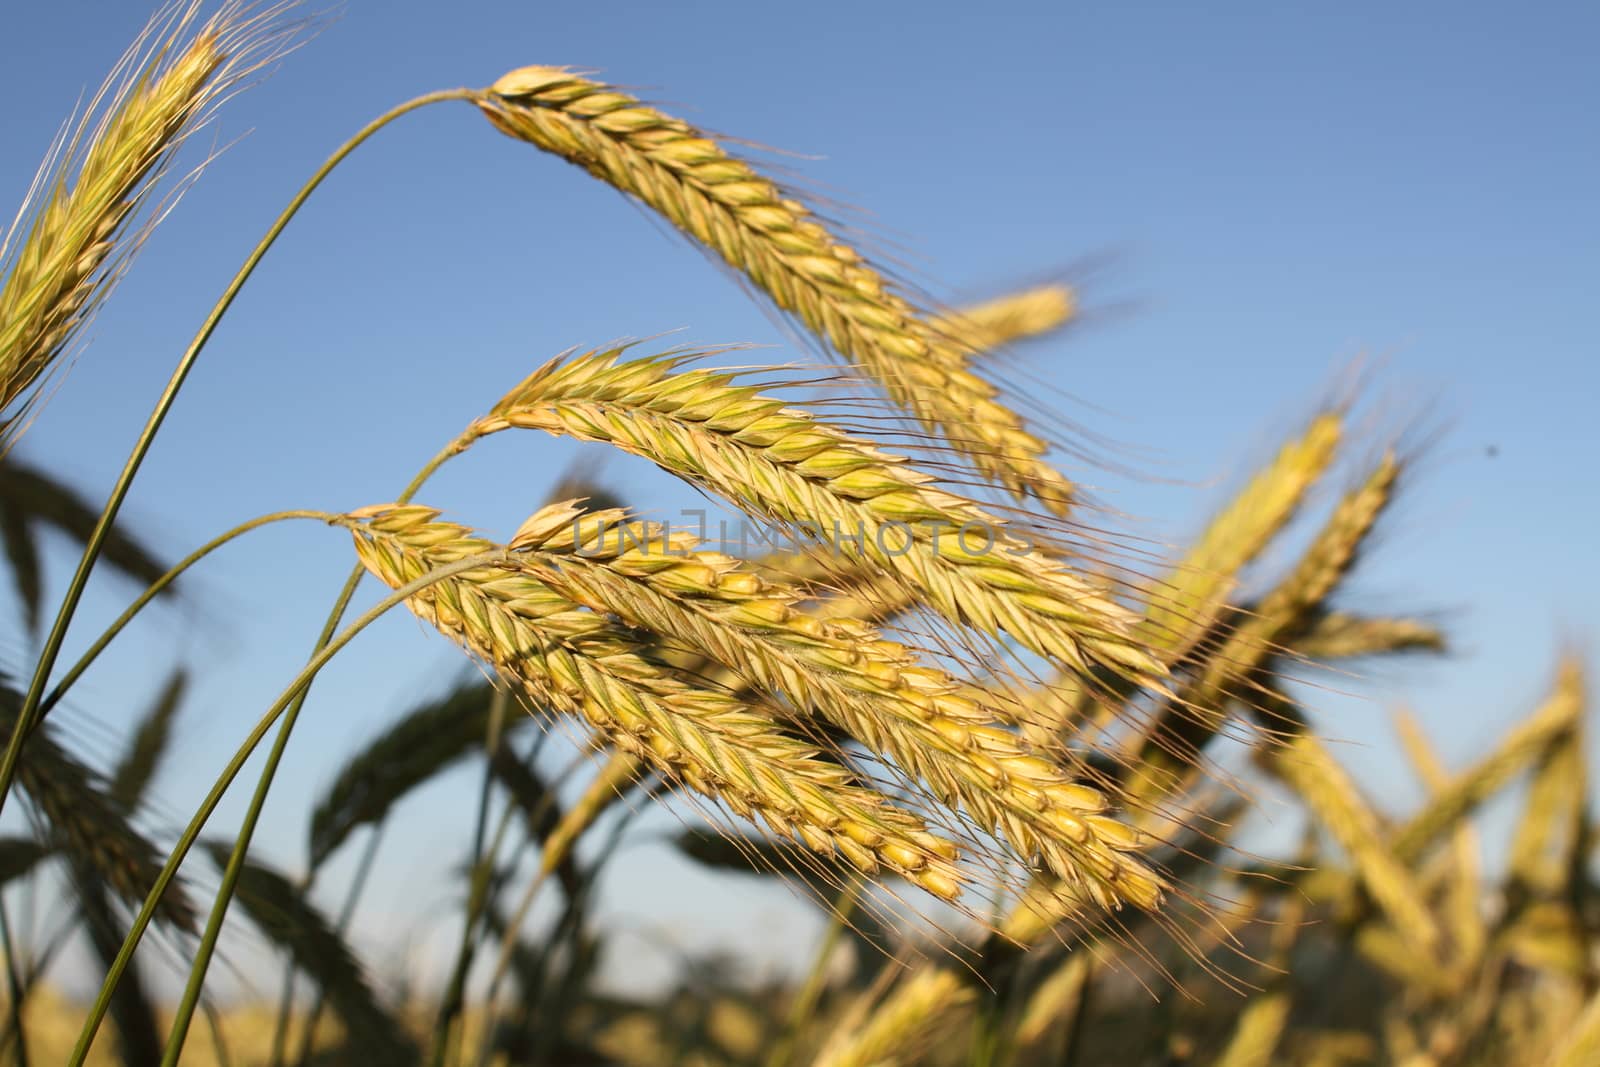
(784, 465)
(83, 219)
(578, 662)
(937, 730)
(769, 236)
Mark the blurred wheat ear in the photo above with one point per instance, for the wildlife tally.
(283, 915)
(31, 499)
(85, 821)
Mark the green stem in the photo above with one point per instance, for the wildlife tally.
(241, 845)
(280, 1027)
(285, 1005)
(553, 852)
(191, 833)
(31, 713)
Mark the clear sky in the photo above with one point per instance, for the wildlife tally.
(1268, 191)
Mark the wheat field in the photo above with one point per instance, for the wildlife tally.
(1004, 750)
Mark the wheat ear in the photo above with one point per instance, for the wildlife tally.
(1335, 800)
(1187, 602)
(770, 237)
(861, 592)
(1014, 317)
(87, 822)
(1193, 595)
(412, 750)
(1551, 830)
(786, 466)
(1521, 748)
(570, 659)
(898, 1026)
(65, 254)
(941, 731)
(1341, 635)
(1464, 896)
(1580, 1045)
(1160, 756)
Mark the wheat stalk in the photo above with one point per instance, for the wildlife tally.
(774, 240)
(577, 662)
(786, 466)
(945, 733)
(280, 910)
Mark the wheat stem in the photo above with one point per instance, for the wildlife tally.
(620, 770)
(480, 869)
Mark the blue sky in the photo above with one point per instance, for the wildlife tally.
(1268, 193)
